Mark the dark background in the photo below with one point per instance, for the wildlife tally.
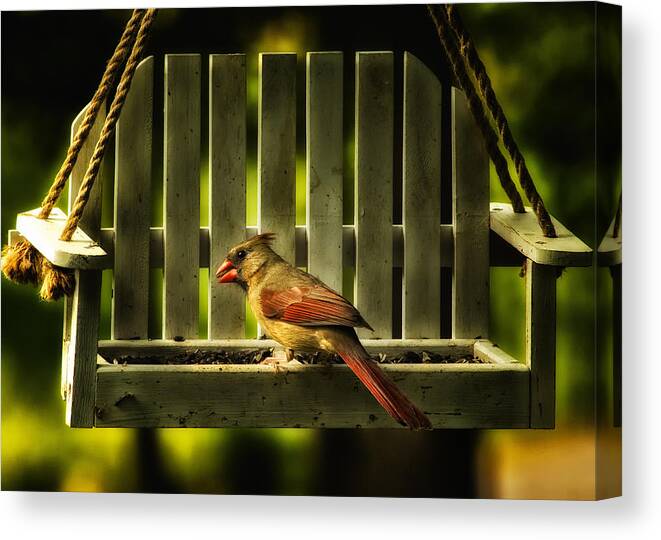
(541, 58)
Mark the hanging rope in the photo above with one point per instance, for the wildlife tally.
(21, 262)
(108, 127)
(472, 59)
(439, 17)
(112, 69)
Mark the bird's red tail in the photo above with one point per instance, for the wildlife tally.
(391, 398)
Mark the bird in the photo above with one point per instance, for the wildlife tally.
(300, 312)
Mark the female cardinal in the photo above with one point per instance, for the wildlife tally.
(301, 313)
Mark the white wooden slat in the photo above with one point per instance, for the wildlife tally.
(502, 252)
(374, 190)
(181, 195)
(422, 201)
(227, 187)
(324, 172)
(133, 176)
(504, 255)
(74, 183)
(470, 202)
(540, 342)
(66, 340)
(81, 372)
(90, 221)
(81, 311)
(276, 152)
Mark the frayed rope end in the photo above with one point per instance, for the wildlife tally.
(57, 282)
(22, 263)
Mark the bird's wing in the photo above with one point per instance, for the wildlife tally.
(313, 305)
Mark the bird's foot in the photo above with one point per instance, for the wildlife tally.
(279, 359)
(275, 363)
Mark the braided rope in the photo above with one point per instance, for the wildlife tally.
(441, 23)
(108, 126)
(112, 68)
(472, 59)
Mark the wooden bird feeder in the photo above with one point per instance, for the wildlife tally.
(498, 391)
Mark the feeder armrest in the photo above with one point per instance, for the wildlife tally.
(81, 252)
(523, 233)
(609, 252)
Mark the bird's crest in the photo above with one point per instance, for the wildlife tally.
(264, 239)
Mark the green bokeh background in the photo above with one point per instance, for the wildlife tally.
(556, 69)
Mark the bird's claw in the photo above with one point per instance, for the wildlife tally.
(275, 363)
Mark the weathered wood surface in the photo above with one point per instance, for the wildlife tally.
(421, 306)
(82, 311)
(470, 206)
(163, 347)
(276, 150)
(486, 351)
(348, 248)
(452, 395)
(81, 364)
(502, 254)
(540, 342)
(522, 232)
(132, 208)
(75, 179)
(324, 166)
(374, 190)
(181, 195)
(44, 234)
(66, 342)
(227, 187)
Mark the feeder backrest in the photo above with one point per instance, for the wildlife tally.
(374, 246)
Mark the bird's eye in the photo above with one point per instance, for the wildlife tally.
(241, 254)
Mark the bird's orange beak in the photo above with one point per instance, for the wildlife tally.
(226, 272)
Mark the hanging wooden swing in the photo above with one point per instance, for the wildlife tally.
(493, 390)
